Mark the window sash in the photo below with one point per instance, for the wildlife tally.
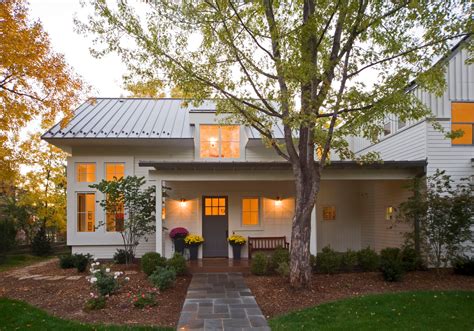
(85, 172)
(462, 118)
(86, 212)
(226, 144)
(114, 169)
(250, 211)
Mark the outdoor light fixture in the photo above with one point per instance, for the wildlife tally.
(213, 141)
(278, 201)
(182, 202)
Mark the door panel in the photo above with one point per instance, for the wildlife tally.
(215, 222)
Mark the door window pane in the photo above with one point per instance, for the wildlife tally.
(86, 212)
(214, 206)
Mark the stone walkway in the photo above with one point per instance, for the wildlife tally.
(220, 301)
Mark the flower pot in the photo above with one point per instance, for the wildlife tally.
(193, 252)
(179, 245)
(236, 251)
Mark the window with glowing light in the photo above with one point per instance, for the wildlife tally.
(115, 219)
(462, 118)
(389, 213)
(114, 171)
(250, 211)
(219, 141)
(214, 207)
(85, 172)
(85, 212)
(329, 213)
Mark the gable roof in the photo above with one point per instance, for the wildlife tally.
(136, 118)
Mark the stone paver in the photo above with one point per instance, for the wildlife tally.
(220, 301)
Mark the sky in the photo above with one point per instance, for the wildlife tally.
(104, 75)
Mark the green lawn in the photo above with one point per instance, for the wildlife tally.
(450, 310)
(17, 315)
(20, 260)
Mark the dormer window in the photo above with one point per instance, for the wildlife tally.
(219, 141)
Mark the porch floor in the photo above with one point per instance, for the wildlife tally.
(209, 265)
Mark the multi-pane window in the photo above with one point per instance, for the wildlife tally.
(114, 171)
(389, 213)
(329, 213)
(462, 117)
(115, 219)
(219, 141)
(250, 211)
(85, 172)
(86, 212)
(214, 206)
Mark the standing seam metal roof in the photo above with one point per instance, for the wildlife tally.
(136, 118)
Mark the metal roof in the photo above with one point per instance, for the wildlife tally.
(277, 165)
(165, 118)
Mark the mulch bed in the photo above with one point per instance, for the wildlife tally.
(275, 296)
(66, 298)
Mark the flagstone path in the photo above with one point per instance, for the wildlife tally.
(220, 301)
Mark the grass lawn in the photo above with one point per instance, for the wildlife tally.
(437, 310)
(20, 260)
(17, 315)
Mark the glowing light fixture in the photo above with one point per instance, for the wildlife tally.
(182, 202)
(213, 141)
(278, 201)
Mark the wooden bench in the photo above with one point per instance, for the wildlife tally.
(266, 244)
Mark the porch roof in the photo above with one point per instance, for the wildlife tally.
(277, 165)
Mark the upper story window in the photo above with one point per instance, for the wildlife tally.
(114, 171)
(462, 118)
(401, 124)
(387, 128)
(85, 172)
(219, 141)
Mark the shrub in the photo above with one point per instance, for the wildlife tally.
(81, 261)
(163, 278)
(95, 303)
(391, 264)
(259, 264)
(368, 259)
(178, 263)
(464, 265)
(150, 261)
(41, 245)
(349, 260)
(328, 261)
(121, 256)
(67, 261)
(283, 269)
(144, 300)
(312, 262)
(280, 255)
(105, 282)
(410, 259)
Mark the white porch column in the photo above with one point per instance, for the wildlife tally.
(159, 220)
(313, 244)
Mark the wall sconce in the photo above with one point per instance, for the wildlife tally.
(278, 201)
(182, 202)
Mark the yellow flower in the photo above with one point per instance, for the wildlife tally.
(193, 239)
(236, 240)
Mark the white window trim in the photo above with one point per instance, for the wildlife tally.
(259, 224)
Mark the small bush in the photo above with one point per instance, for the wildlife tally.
(349, 260)
(410, 259)
(328, 261)
(163, 278)
(144, 300)
(280, 255)
(463, 265)
(391, 264)
(81, 261)
(368, 259)
(121, 256)
(95, 303)
(67, 261)
(150, 261)
(283, 269)
(259, 264)
(178, 263)
(41, 245)
(106, 283)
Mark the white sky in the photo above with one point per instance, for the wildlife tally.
(104, 75)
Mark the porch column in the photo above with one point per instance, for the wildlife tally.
(159, 220)
(313, 245)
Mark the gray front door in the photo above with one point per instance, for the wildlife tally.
(215, 221)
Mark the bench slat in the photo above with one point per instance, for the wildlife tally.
(266, 243)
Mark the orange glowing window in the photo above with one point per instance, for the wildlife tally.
(214, 206)
(114, 171)
(329, 213)
(115, 219)
(462, 117)
(86, 212)
(219, 141)
(250, 213)
(85, 172)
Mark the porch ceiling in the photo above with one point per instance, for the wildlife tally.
(277, 165)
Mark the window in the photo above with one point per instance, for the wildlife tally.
(85, 172)
(462, 117)
(114, 170)
(401, 124)
(386, 129)
(86, 212)
(329, 213)
(250, 211)
(389, 213)
(219, 141)
(115, 219)
(214, 206)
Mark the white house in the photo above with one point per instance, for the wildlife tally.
(224, 180)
